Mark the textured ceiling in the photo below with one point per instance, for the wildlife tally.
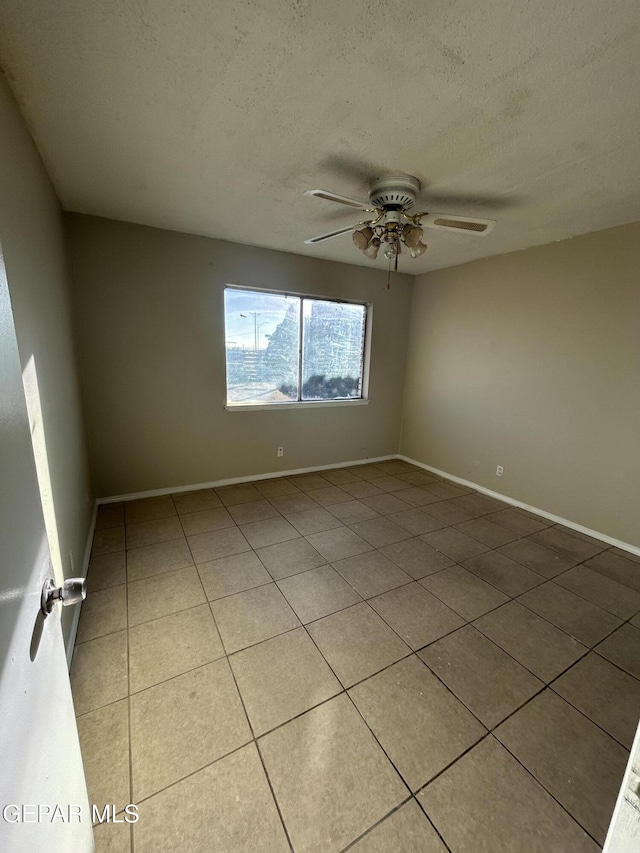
(214, 117)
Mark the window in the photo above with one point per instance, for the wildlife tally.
(285, 349)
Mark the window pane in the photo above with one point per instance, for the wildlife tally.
(332, 348)
(261, 340)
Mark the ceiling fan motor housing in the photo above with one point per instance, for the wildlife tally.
(394, 191)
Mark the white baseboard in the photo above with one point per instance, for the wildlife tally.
(71, 640)
(632, 549)
(595, 534)
(232, 481)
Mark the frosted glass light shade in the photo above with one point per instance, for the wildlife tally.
(418, 250)
(372, 250)
(362, 237)
(412, 235)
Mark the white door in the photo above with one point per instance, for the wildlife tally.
(43, 794)
(624, 831)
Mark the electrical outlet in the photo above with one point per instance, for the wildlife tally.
(280, 451)
(499, 471)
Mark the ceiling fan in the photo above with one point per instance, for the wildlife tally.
(392, 226)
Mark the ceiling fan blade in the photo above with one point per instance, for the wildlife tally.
(341, 199)
(465, 224)
(329, 235)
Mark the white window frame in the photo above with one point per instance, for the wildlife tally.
(305, 404)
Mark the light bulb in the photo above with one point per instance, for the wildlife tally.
(390, 252)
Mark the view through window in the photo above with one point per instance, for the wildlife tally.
(283, 349)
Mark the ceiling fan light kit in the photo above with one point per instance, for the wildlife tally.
(390, 199)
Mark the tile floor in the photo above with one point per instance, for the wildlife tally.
(366, 658)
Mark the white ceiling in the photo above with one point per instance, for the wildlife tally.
(214, 117)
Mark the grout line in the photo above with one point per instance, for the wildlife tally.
(318, 618)
(178, 675)
(474, 618)
(194, 772)
(492, 733)
(240, 591)
(306, 711)
(106, 553)
(360, 681)
(340, 692)
(591, 603)
(588, 600)
(515, 598)
(134, 522)
(608, 660)
(166, 615)
(462, 564)
(590, 719)
(146, 621)
(362, 835)
(549, 792)
(511, 598)
(569, 702)
(257, 748)
(492, 730)
(544, 684)
(443, 770)
(377, 594)
(204, 592)
(131, 833)
(105, 588)
(251, 645)
(160, 542)
(454, 525)
(516, 504)
(168, 571)
(432, 823)
(102, 636)
(100, 707)
(273, 794)
(353, 704)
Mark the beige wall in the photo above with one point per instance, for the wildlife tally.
(150, 331)
(32, 242)
(531, 360)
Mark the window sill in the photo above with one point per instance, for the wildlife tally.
(272, 407)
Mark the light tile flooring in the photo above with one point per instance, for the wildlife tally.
(366, 658)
